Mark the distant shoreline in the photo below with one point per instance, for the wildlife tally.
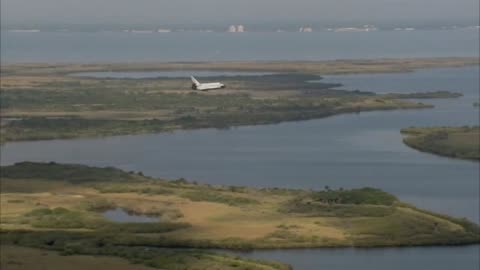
(324, 67)
(226, 28)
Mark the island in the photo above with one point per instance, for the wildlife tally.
(426, 95)
(62, 208)
(455, 142)
(62, 101)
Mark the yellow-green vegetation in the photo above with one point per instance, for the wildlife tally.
(52, 208)
(59, 207)
(43, 101)
(456, 142)
(317, 67)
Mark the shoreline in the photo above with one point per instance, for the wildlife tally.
(412, 106)
(451, 142)
(324, 67)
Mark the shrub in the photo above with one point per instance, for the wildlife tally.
(212, 196)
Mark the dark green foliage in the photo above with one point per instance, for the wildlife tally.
(317, 209)
(60, 218)
(150, 227)
(212, 196)
(354, 196)
(110, 96)
(426, 95)
(456, 142)
(366, 202)
(99, 205)
(152, 189)
(63, 172)
(405, 229)
(76, 243)
(41, 128)
(467, 225)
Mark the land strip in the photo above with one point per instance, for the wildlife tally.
(455, 142)
(48, 199)
(315, 67)
(40, 101)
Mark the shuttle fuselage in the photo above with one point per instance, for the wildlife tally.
(196, 85)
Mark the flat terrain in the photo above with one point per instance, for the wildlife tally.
(316, 67)
(456, 142)
(44, 101)
(48, 201)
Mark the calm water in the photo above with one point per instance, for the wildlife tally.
(120, 215)
(121, 47)
(438, 258)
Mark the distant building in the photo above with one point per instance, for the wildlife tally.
(369, 28)
(162, 30)
(305, 29)
(365, 28)
(141, 31)
(403, 29)
(236, 29)
(232, 29)
(349, 29)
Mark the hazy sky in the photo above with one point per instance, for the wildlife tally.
(242, 11)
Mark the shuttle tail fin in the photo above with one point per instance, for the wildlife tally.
(194, 81)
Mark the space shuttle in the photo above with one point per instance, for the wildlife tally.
(196, 85)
